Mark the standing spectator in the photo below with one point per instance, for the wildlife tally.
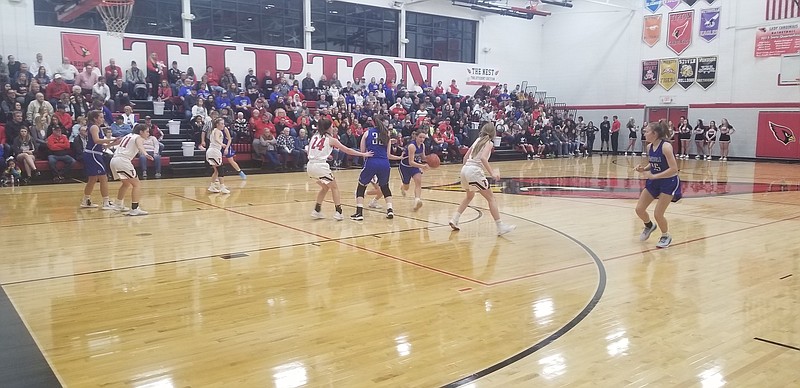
(13, 66)
(155, 69)
(605, 134)
(59, 147)
(615, 127)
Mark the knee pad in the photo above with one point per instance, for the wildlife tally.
(386, 191)
(360, 191)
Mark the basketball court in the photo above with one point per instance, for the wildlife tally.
(247, 290)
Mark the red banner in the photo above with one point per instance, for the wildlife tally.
(79, 48)
(777, 135)
(680, 31)
(775, 41)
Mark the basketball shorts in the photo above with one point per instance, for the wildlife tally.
(473, 178)
(375, 167)
(214, 157)
(408, 172)
(669, 186)
(122, 168)
(320, 171)
(93, 163)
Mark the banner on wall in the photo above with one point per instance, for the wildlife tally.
(652, 5)
(777, 135)
(687, 72)
(672, 3)
(706, 71)
(667, 73)
(690, 2)
(680, 31)
(649, 74)
(79, 48)
(775, 41)
(709, 24)
(651, 32)
(482, 76)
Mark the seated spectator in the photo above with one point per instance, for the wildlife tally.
(197, 132)
(101, 91)
(86, 79)
(64, 118)
(39, 106)
(80, 122)
(265, 146)
(128, 117)
(59, 147)
(301, 146)
(286, 149)
(165, 95)
(80, 141)
(119, 94)
(152, 147)
(11, 173)
(242, 104)
(120, 128)
(23, 149)
(42, 78)
(67, 71)
(241, 130)
(135, 82)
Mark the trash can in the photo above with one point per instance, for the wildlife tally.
(497, 140)
(158, 108)
(174, 127)
(187, 147)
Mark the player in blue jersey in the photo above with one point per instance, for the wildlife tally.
(375, 139)
(662, 182)
(93, 163)
(411, 167)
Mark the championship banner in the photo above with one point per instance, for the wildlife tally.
(667, 73)
(709, 24)
(482, 76)
(687, 72)
(690, 2)
(777, 135)
(706, 71)
(652, 5)
(649, 74)
(79, 48)
(775, 41)
(680, 31)
(672, 3)
(651, 32)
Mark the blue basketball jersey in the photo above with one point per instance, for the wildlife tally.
(658, 162)
(91, 145)
(418, 154)
(374, 144)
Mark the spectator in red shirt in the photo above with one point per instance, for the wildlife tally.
(397, 109)
(113, 72)
(63, 117)
(56, 88)
(454, 91)
(59, 147)
(615, 127)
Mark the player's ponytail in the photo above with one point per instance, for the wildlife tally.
(383, 133)
(488, 132)
(323, 125)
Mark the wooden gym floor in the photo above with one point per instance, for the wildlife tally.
(246, 290)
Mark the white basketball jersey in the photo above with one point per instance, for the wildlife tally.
(216, 139)
(319, 148)
(127, 146)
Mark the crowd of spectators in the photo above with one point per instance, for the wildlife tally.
(274, 113)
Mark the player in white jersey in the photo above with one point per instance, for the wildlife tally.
(474, 179)
(319, 149)
(216, 147)
(129, 147)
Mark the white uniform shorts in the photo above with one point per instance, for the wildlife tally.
(473, 178)
(320, 171)
(122, 168)
(214, 157)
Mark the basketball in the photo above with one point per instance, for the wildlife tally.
(433, 160)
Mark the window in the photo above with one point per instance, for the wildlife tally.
(440, 38)
(354, 28)
(268, 22)
(150, 17)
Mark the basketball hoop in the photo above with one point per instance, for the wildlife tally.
(115, 14)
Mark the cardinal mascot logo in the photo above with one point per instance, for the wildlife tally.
(680, 30)
(783, 134)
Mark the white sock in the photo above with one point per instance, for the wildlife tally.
(456, 216)
(499, 223)
(106, 200)
(389, 205)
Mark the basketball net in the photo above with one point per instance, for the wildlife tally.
(115, 14)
